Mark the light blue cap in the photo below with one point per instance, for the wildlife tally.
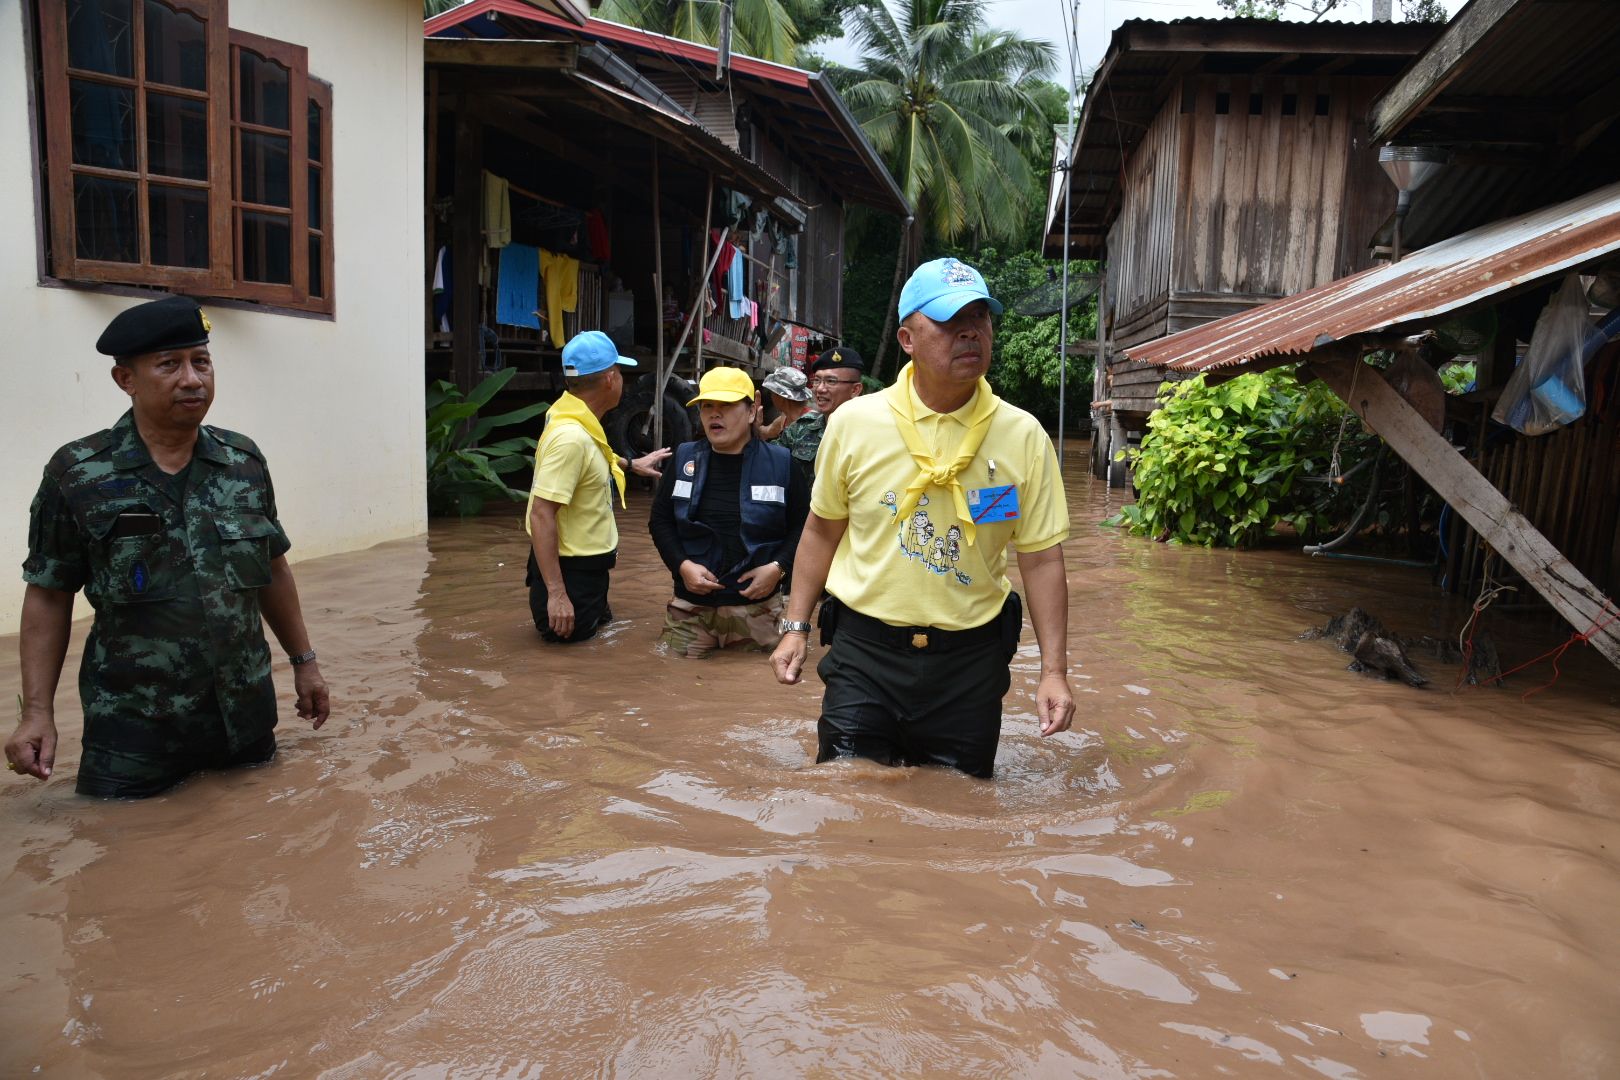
(941, 288)
(589, 352)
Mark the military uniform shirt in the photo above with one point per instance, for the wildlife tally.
(802, 438)
(173, 573)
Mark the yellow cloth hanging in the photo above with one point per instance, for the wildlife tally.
(497, 210)
(561, 273)
(568, 409)
(930, 472)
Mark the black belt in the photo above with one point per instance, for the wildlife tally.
(928, 639)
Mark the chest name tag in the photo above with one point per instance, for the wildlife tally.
(993, 503)
(768, 493)
(683, 489)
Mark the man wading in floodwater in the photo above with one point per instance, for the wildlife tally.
(573, 539)
(169, 527)
(919, 489)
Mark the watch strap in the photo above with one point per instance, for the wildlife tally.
(302, 658)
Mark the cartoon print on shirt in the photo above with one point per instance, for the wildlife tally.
(922, 542)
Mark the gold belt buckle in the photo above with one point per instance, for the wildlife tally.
(919, 641)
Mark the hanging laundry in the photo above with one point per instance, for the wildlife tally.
(497, 210)
(443, 290)
(517, 290)
(722, 265)
(737, 287)
(562, 291)
(601, 242)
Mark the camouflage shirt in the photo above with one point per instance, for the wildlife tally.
(174, 575)
(802, 438)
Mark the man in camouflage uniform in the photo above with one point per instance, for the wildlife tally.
(170, 529)
(835, 377)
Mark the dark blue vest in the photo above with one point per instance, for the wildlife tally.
(766, 470)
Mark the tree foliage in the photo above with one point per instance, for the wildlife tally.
(1223, 465)
(947, 103)
(1274, 9)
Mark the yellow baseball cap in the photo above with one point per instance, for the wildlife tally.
(724, 384)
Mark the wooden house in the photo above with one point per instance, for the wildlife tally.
(1520, 93)
(1217, 164)
(632, 153)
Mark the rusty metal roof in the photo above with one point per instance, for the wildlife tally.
(1427, 284)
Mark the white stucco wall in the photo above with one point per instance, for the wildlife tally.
(336, 404)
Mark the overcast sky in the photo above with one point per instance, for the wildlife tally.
(1098, 18)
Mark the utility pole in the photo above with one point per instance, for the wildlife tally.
(1068, 188)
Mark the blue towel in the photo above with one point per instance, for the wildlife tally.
(517, 290)
(736, 286)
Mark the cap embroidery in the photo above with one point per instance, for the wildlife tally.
(208, 327)
(955, 273)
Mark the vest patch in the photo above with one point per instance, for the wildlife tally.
(682, 489)
(768, 493)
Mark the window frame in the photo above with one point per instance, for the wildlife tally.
(65, 260)
(223, 278)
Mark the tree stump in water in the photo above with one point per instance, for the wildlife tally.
(1374, 648)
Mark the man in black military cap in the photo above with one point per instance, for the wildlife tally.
(835, 377)
(169, 527)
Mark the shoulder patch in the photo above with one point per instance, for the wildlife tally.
(237, 441)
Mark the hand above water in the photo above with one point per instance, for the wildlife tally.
(697, 578)
(1054, 703)
(788, 659)
(761, 581)
(31, 750)
(314, 700)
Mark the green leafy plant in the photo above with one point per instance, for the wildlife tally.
(462, 474)
(1222, 465)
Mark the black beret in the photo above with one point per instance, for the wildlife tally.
(839, 356)
(174, 322)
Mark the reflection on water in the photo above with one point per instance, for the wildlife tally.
(501, 859)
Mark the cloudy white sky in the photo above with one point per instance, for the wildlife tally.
(1098, 18)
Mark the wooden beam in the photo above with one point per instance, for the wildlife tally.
(466, 244)
(1474, 498)
(1592, 116)
(530, 55)
(1438, 67)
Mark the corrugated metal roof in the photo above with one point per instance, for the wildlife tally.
(1427, 284)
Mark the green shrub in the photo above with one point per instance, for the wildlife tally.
(1222, 465)
(461, 474)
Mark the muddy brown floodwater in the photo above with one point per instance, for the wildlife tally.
(505, 860)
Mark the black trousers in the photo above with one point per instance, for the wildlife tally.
(898, 704)
(586, 579)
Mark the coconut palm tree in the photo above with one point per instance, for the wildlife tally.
(947, 102)
(952, 106)
(761, 28)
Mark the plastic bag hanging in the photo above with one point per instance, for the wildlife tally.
(1548, 388)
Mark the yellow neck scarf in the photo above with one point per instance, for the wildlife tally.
(930, 472)
(568, 409)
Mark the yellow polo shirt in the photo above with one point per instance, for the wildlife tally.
(920, 572)
(569, 469)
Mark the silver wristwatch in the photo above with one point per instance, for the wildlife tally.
(788, 626)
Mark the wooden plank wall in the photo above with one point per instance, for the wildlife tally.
(1567, 483)
(1143, 239)
(1280, 191)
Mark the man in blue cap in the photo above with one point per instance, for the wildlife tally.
(919, 489)
(573, 537)
(169, 526)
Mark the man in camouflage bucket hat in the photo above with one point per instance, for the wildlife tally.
(170, 528)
